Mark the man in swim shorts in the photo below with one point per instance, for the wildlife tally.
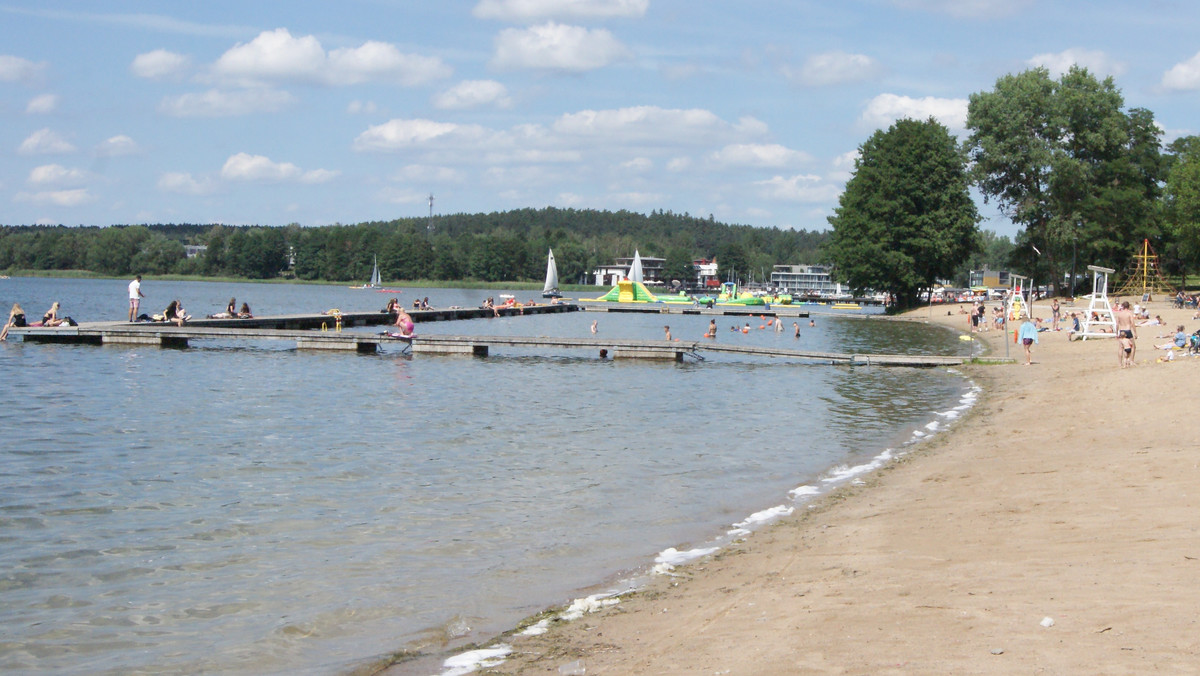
(135, 296)
(1126, 328)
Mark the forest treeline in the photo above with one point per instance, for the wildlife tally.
(494, 247)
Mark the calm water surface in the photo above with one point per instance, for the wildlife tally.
(246, 508)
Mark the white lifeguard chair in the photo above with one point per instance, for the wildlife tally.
(1099, 322)
(1020, 298)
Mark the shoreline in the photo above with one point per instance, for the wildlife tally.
(1033, 509)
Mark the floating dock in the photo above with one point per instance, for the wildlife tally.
(684, 309)
(117, 333)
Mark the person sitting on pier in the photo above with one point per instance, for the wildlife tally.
(393, 306)
(229, 313)
(175, 313)
(245, 313)
(51, 316)
(16, 317)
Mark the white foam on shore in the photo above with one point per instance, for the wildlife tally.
(674, 557)
(465, 663)
(666, 561)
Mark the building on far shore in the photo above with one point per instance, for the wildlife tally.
(609, 275)
(706, 273)
(806, 280)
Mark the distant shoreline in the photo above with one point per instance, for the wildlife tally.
(414, 284)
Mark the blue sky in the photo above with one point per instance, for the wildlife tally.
(269, 112)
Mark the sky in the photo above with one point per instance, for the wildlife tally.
(270, 112)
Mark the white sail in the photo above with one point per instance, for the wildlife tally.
(375, 281)
(551, 275)
(635, 270)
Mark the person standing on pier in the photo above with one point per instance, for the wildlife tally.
(135, 296)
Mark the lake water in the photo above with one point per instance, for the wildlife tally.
(246, 508)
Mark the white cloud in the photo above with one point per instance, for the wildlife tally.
(117, 146)
(799, 188)
(319, 176)
(843, 166)
(553, 46)
(160, 64)
(885, 109)
(60, 198)
(524, 11)
(218, 103)
(637, 198)
(16, 69)
(1094, 60)
(399, 134)
(276, 56)
(397, 195)
(758, 155)
(246, 167)
(45, 103)
(968, 9)
(678, 164)
(833, 68)
(473, 93)
(56, 174)
(643, 124)
(1183, 76)
(638, 164)
(45, 142)
(357, 107)
(185, 184)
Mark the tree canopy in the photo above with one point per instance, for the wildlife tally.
(493, 247)
(1062, 159)
(906, 218)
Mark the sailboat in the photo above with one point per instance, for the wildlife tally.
(550, 290)
(375, 282)
(635, 269)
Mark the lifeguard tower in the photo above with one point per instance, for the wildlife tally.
(1020, 298)
(1099, 322)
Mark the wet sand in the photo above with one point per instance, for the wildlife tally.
(1069, 496)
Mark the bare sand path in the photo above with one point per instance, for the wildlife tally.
(1070, 492)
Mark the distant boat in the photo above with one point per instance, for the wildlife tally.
(635, 268)
(375, 282)
(550, 290)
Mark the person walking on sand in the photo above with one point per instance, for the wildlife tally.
(135, 296)
(1055, 312)
(1028, 334)
(1128, 328)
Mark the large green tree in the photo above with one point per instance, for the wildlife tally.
(1064, 161)
(906, 218)
(1182, 200)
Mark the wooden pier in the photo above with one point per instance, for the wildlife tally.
(120, 333)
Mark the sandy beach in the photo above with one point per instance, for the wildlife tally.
(1053, 529)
